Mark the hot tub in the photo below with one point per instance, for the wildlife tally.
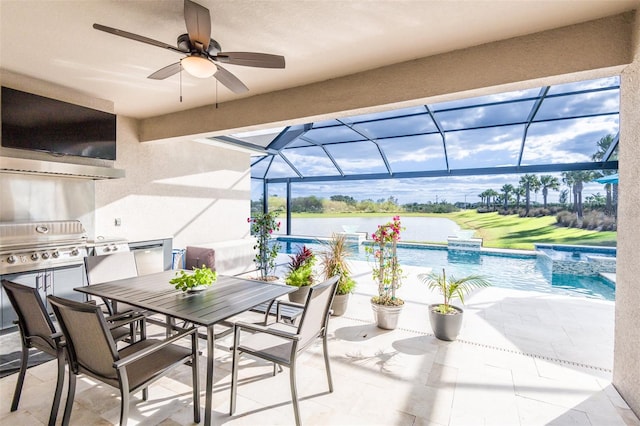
(576, 260)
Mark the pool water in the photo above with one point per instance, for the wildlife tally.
(503, 270)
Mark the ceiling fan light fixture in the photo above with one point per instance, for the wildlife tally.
(199, 66)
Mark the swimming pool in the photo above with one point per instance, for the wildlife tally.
(516, 271)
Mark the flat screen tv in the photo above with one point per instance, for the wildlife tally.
(43, 124)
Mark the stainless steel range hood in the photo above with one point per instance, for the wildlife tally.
(49, 168)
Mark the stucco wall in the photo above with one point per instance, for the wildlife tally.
(187, 190)
(626, 367)
(190, 191)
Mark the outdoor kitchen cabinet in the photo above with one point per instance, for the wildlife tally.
(152, 255)
(59, 281)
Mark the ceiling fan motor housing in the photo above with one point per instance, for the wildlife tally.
(184, 44)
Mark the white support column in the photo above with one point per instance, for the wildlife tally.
(626, 373)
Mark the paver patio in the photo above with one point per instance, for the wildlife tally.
(522, 358)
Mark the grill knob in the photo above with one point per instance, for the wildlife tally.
(34, 256)
(12, 259)
(55, 254)
(75, 252)
(45, 255)
(115, 248)
(107, 249)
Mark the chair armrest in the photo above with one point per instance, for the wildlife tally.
(119, 316)
(292, 304)
(123, 362)
(58, 338)
(280, 303)
(126, 321)
(265, 329)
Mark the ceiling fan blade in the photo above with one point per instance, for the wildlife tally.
(251, 59)
(230, 81)
(137, 37)
(166, 72)
(198, 22)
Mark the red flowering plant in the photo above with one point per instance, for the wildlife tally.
(301, 268)
(386, 270)
(262, 227)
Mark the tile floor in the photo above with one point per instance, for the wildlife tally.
(522, 358)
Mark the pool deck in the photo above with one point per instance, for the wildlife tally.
(522, 358)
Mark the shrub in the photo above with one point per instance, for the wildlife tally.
(592, 220)
(301, 268)
(334, 262)
(564, 218)
(609, 224)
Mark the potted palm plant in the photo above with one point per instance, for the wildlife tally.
(300, 273)
(334, 262)
(386, 271)
(445, 318)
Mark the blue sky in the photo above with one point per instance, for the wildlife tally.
(468, 144)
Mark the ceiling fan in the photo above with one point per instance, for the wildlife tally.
(203, 54)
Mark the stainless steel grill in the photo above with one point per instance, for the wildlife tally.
(30, 246)
(102, 246)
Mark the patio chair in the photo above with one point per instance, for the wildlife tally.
(111, 267)
(38, 331)
(92, 351)
(281, 343)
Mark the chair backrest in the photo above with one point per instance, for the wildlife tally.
(316, 311)
(34, 321)
(110, 267)
(198, 256)
(90, 346)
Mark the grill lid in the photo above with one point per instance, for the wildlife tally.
(29, 234)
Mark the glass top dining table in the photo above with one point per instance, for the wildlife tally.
(228, 296)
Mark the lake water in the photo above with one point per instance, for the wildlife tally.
(429, 229)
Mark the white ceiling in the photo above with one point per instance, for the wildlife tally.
(54, 40)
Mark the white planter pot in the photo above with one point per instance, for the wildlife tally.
(386, 317)
(339, 305)
(300, 295)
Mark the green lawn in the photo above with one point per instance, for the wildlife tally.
(521, 233)
(507, 231)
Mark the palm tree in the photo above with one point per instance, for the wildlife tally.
(506, 190)
(530, 183)
(519, 191)
(594, 200)
(575, 179)
(563, 197)
(548, 182)
(569, 180)
(482, 195)
(611, 189)
(491, 194)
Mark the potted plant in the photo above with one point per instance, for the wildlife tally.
(334, 262)
(386, 271)
(300, 273)
(446, 319)
(198, 280)
(262, 227)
